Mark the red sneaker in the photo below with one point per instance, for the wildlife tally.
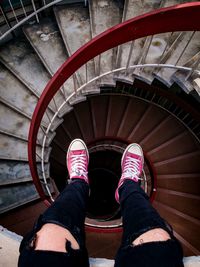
(77, 160)
(132, 165)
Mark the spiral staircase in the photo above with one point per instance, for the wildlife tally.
(137, 82)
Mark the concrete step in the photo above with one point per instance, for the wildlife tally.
(21, 60)
(19, 57)
(16, 94)
(104, 15)
(12, 148)
(187, 47)
(14, 122)
(47, 42)
(19, 100)
(74, 25)
(126, 55)
(15, 182)
(154, 46)
(196, 84)
(17, 125)
(16, 172)
(14, 196)
(15, 149)
(191, 83)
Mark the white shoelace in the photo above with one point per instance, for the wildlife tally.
(131, 168)
(79, 166)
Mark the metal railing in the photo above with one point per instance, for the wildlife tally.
(16, 14)
(161, 21)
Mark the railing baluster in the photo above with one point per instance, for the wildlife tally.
(62, 89)
(41, 127)
(48, 116)
(185, 117)
(21, 1)
(190, 39)
(34, 8)
(13, 11)
(129, 56)
(39, 142)
(193, 69)
(143, 57)
(74, 81)
(86, 72)
(7, 21)
(195, 127)
(54, 101)
(99, 65)
(38, 156)
(167, 49)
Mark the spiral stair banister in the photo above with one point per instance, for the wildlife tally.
(162, 20)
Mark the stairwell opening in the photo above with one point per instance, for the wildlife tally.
(104, 174)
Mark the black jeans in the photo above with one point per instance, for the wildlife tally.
(139, 216)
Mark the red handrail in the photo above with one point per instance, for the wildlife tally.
(184, 17)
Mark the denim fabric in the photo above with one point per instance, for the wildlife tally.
(68, 211)
(138, 217)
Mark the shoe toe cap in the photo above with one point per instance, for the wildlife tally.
(135, 149)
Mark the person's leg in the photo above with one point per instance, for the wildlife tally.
(147, 239)
(58, 238)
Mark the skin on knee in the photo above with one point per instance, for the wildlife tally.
(54, 237)
(157, 234)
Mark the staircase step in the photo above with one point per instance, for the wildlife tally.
(186, 48)
(14, 122)
(16, 184)
(15, 172)
(133, 9)
(191, 83)
(171, 151)
(181, 201)
(14, 149)
(154, 46)
(133, 105)
(48, 44)
(74, 25)
(21, 60)
(104, 15)
(99, 111)
(20, 102)
(16, 94)
(14, 196)
(19, 57)
(180, 223)
(77, 99)
(186, 164)
(83, 117)
(188, 183)
(116, 108)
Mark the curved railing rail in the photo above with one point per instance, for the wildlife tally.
(164, 20)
